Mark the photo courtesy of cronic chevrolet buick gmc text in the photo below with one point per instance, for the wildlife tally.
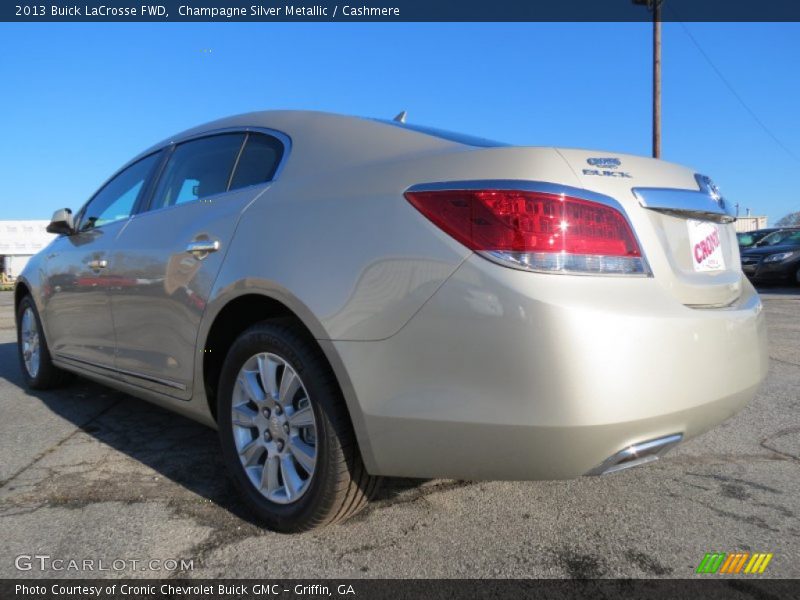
(348, 298)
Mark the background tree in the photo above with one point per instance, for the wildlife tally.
(790, 220)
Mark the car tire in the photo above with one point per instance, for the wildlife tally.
(35, 361)
(268, 443)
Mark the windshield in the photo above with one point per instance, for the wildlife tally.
(782, 238)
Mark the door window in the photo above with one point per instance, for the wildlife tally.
(198, 169)
(116, 200)
(258, 162)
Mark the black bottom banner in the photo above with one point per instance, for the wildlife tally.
(446, 589)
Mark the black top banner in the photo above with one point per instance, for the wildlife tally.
(398, 10)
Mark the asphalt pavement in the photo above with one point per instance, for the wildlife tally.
(87, 473)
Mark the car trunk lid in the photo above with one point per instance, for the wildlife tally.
(683, 224)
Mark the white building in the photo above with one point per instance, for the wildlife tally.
(750, 222)
(19, 240)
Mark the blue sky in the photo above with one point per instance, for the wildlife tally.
(79, 100)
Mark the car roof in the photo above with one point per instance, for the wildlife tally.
(325, 140)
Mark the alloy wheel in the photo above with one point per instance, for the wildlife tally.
(29, 337)
(274, 428)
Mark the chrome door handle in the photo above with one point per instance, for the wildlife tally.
(98, 264)
(202, 248)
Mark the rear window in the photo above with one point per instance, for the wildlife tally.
(450, 136)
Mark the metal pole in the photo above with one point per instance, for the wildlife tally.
(657, 78)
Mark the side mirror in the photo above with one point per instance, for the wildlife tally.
(61, 223)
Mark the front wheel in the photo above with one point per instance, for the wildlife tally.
(34, 357)
(286, 435)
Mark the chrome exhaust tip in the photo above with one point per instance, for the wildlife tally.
(637, 454)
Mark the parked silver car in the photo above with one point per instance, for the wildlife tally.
(349, 298)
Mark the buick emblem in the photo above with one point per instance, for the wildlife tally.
(605, 163)
(710, 188)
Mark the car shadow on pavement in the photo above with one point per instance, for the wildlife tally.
(176, 448)
(778, 290)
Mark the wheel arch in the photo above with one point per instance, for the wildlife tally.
(238, 313)
(21, 289)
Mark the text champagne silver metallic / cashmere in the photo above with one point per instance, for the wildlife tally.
(347, 298)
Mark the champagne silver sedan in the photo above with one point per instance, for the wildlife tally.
(347, 298)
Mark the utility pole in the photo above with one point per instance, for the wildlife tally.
(657, 78)
(655, 7)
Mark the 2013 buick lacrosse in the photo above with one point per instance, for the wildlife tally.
(347, 298)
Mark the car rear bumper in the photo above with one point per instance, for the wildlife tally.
(510, 375)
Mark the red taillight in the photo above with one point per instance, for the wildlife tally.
(535, 230)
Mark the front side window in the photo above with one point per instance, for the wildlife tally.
(197, 169)
(118, 197)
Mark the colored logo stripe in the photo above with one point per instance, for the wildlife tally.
(733, 563)
(758, 563)
(711, 562)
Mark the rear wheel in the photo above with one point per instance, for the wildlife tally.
(285, 432)
(34, 357)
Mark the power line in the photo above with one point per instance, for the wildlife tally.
(736, 94)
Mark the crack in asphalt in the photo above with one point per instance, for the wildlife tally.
(390, 496)
(735, 489)
(727, 479)
(754, 520)
(54, 447)
(778, 434)
(705, 459)
(785, 362)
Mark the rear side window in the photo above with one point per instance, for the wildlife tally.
(198, 169)
(793, 238)
(779, 238)
(258, 162)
